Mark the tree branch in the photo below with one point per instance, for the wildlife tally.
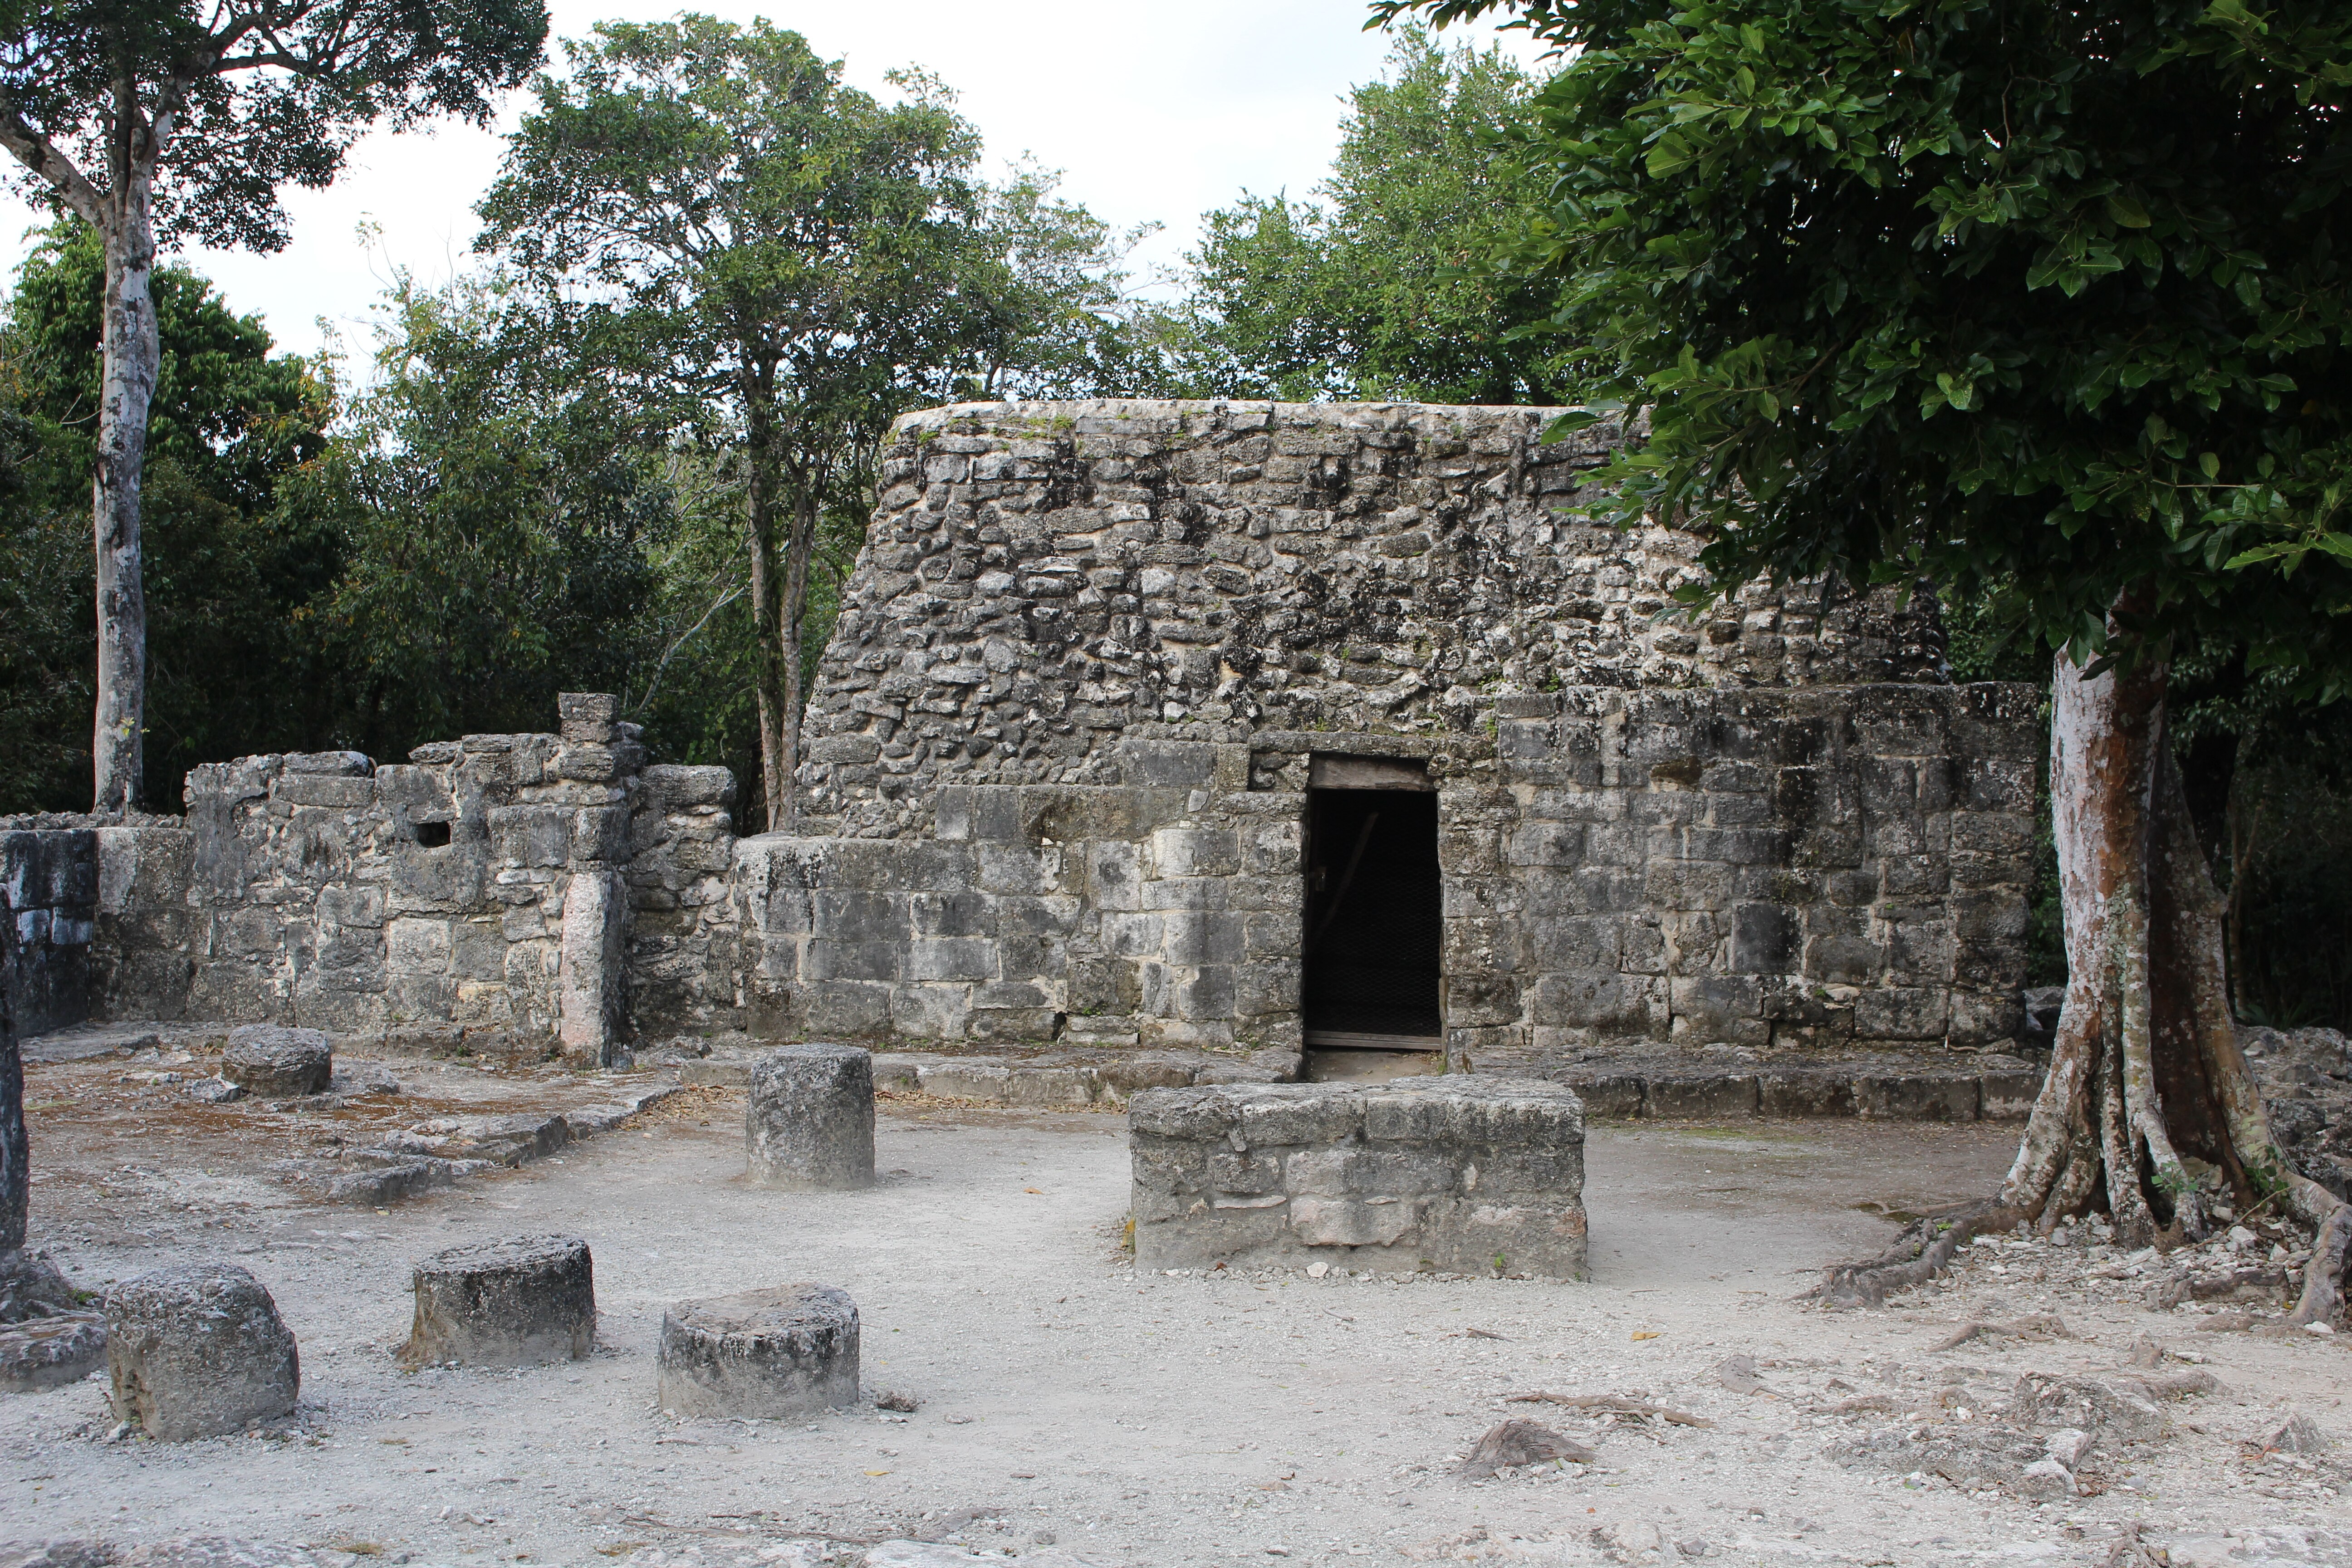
(35, 151)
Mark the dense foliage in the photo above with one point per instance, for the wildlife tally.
(753, 253)
(2050, 304)
(1377, 286)
(229, 421)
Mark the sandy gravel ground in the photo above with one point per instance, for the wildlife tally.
(1069, 1409)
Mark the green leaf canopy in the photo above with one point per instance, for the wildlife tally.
(2053, 297)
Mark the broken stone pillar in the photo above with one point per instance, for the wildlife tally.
(1456, 1174)
(199, 1350)
(277, 1062)
(504, 1303)
(589, 966)
(787, 1352)
(810, 1121)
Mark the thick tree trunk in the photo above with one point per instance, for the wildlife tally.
(2146, 1071)
(131, 353)
(775, 768)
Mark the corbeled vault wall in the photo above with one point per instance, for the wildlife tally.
(1060, 742)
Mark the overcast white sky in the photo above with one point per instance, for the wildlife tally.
(1155, 113)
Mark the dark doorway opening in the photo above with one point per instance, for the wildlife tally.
(1373, 933)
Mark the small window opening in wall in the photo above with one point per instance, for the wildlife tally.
(1374, 899)
(433, 835)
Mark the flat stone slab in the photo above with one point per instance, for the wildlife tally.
(504, 1303)
(1456, 1174)
(808, 1121)
(50, 1353)
(199, 1350)
(272, 1060)
(791, 1351)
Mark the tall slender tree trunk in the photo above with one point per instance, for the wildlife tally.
(799, 550)
(775, 768)
(130, 356)
(2146, 1071)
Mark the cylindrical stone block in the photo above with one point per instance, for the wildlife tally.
(787, 1352)
(272, 1060)
(504, 1303)
(199, 1350)
(810, 1121)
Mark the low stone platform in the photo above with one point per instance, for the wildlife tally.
(1453, 1175)
(1065, 1080)
(1687, 1085)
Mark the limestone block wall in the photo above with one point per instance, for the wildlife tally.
(1062, 740)
(487, 884)
(1045, 580)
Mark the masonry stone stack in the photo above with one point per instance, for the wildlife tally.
(1098, 668)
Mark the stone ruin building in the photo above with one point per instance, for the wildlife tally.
(1214, 727)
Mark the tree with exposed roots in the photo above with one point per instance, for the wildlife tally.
(2051, 304)
(188, 115)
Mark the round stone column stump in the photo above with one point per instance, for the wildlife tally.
(504, 1303)
(810, 1121)
(197, 1351)
(786, 1351)
(276, 1062)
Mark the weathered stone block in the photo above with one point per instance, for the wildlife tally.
(586, 717)
(504, 1303)
(199, 1350)
(271, 1060)
(809, 1123)
(1473, 1173)
(760, 1354)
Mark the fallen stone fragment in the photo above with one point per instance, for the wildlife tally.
(1975, 1457)
(2046, 1480)
(271, 1060)
(809, 1118)
(2298, 1434)
(1738, 1374)
(50, 1353)
(199, 1350)
(504, 1303)
(56, 1555)
(1521, 1442)
(2111, 1411)
(1616, 1404)
(32, 1286)
(2067, 1446)
(787, 1352)
(214, 1091)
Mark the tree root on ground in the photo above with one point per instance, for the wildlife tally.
(1923, 1251)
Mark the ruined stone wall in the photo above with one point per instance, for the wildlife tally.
(526, 888)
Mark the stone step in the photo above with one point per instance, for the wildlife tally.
(1985, 1088)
